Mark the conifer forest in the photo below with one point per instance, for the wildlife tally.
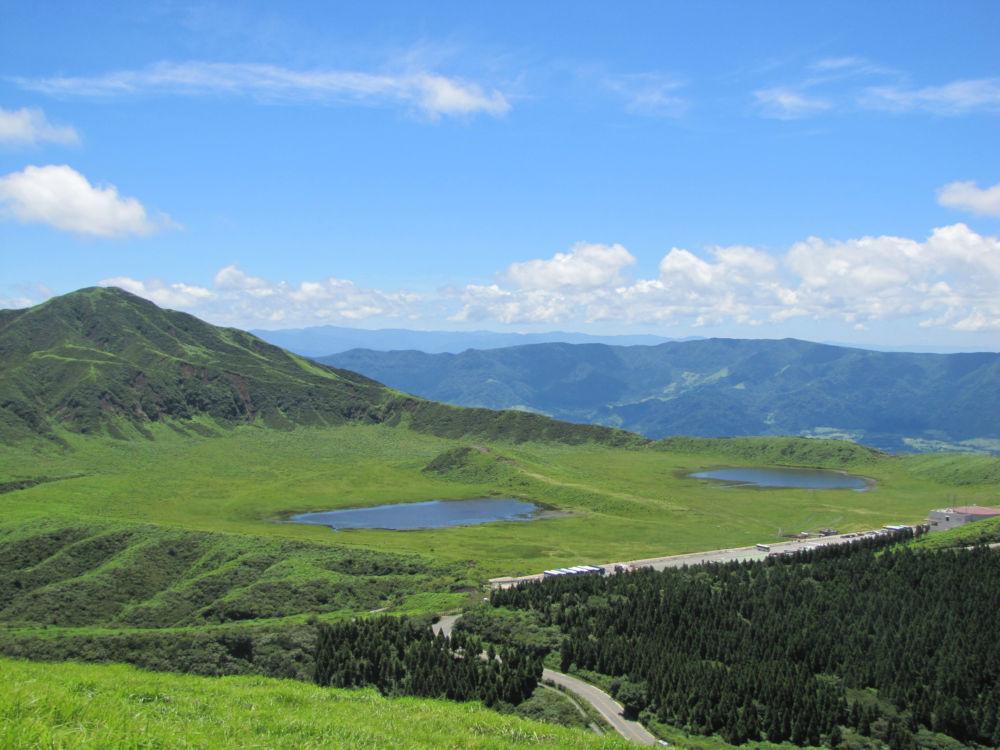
(792, 649)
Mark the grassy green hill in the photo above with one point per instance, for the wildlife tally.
(718, 387)
(102, 360)
(84, 706)
(144, 576)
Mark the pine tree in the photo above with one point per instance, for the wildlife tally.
(835, 738)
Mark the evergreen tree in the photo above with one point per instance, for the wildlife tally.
(786, 638)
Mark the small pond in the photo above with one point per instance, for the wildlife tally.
(807, 479)
(433, 514)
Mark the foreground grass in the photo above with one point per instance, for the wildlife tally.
(99, 706)
(620, 503)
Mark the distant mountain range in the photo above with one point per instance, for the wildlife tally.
(103, 361)
(320, 341)
(719, 387)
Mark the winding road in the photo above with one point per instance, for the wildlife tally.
(603, 703)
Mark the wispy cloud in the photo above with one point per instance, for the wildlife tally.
(968, 196)
(840, 63)
(833, 68)
(431, 93)
(841, 84)
(954, 98)
(653, 94)
(61, 197)
(788, 104)
(29, 127)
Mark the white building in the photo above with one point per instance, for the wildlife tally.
(952, 518)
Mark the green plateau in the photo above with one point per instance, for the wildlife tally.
(150, 462)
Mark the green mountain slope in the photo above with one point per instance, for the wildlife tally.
(102, 360)
(145, 576)
(717, 387)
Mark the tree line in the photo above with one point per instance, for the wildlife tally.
(399, 656)
(781, 649)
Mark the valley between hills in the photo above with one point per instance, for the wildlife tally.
(151, 463)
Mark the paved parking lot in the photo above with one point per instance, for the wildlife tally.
(736, 554)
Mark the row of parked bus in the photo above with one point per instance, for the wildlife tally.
(576, 570)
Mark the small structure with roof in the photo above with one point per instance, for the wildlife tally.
(952, 518)
(576, 570)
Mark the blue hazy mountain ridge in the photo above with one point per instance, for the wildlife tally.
(719, 387)
(318, 341)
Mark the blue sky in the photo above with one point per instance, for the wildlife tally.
(826, 171)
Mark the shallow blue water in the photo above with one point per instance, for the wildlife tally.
(809, 479)
(433, 514)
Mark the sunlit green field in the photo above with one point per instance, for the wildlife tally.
(171, 552)
(621, 503)
(100, 706)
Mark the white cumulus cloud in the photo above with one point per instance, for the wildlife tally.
(233, 278)
(63, 198)
(168, 295)
(968, 196)
(492, 302)
(428, 92)
(28, 127)
(588, 284)
(238, 298)
(585, 266)
(950, 279)
(733, 283)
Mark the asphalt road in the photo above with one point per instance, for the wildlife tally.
(740, 554)
(743, 554)
(604, 704)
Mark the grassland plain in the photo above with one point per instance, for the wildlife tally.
(101, 706)
(241, 579)
(621, 503)
(118, 411)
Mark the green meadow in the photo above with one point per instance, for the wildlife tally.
(615, 503)
(171, 551)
